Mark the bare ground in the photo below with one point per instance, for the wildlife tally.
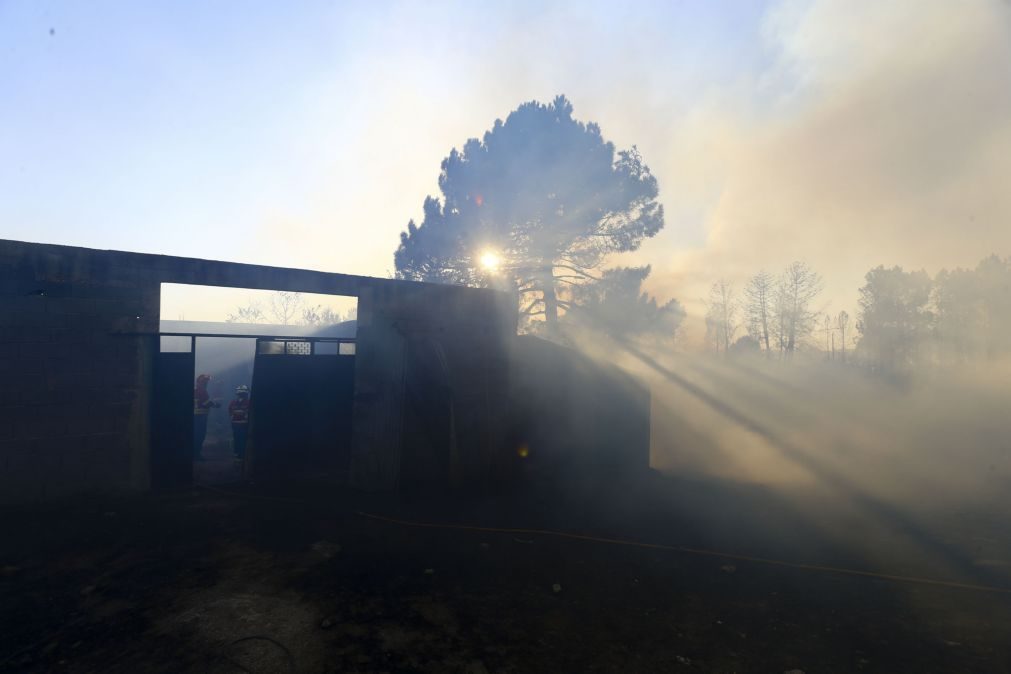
(297, 580)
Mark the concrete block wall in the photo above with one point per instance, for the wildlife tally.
(473, 330)
(75, 394)
(73, 401)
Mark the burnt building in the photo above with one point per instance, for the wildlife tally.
(427, 392)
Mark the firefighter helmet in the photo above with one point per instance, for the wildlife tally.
(203, 379)
(242, 388)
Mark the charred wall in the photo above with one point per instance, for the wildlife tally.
(452, 344)
(73, 399)
(75, 390)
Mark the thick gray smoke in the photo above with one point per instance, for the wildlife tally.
(792, 458)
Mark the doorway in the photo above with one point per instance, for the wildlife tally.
(299, 409)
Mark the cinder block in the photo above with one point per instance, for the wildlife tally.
(9, 448)
(59, 379)
(119, 395)
(99, 351)
(104, 459)
(78, 421)
(118, 307)
(87, 324)
(32, 465)
(62, 334)
(70, 305)
(108, 418)
(44, 421)
(76, 363)
(16, 488)
(99, 419)
(51, 450)
(23, 303)
(128, 347)
(25, 422)
(125, 324)
(24, 368)
(34, 392)
(9, 419)
(121, 375)
(9, 334)
(120, 412)
(75, 457)
(35, 350)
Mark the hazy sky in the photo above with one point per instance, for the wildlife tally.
(843, 132)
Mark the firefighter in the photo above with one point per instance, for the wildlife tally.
(202, 404)
(238, 410)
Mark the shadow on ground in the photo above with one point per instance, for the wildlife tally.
(293, 579)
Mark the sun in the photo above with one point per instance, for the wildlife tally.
(490, 261)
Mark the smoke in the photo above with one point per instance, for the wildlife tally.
(880, 133)
(827, 462)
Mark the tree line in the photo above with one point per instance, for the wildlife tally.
(909, 320)
(905, 319)
(776, 312)
(289, 308)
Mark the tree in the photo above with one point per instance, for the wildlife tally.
(543, 199)
(745, 345)
(960, 320)
(251, 313)
(321, 315)
(842, 322)
(759, 297)
(285, 307)
(974, 310)
(829, 329)
(618, 306)
(798, 286)
(895, 318)
(721, 315)
(994, 279)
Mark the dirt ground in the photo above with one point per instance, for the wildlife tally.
(244, 579)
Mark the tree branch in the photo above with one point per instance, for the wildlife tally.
(579, 271)
(565, 279)
(526, 311)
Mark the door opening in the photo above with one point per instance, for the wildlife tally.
(217, 396)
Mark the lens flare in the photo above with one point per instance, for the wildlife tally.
(490, 261)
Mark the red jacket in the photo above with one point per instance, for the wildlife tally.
(238, 409)
(202, 400)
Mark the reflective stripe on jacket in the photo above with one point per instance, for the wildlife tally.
(201, 401)
(238, 409)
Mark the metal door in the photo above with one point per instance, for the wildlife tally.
(301, 411)
(172, 421)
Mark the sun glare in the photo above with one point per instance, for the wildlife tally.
(490, 261)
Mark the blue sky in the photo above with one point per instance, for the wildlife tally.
(187, 128)
(307, 134)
